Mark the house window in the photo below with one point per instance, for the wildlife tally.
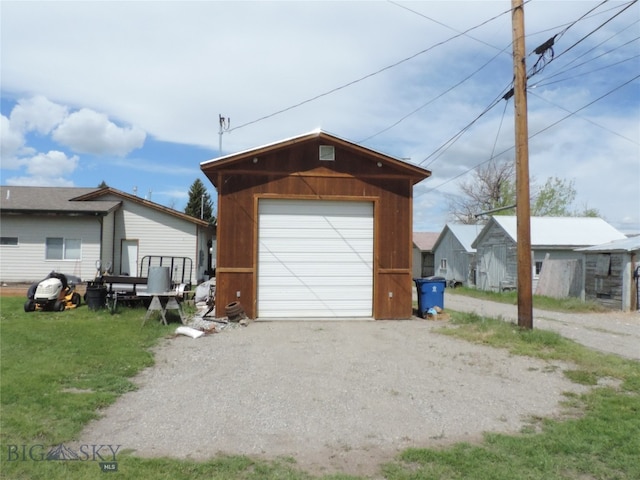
(603, 264)
(538, 268)
(58, 248)
(9, 241)
(443, 264)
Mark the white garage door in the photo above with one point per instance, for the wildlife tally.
(315, 259)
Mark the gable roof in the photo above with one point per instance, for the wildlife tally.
(631, 244)
(74, 201)
(96, 194)
(464, 233)
(50, 201)
(567, 232)
(417, 173)
(425, 240)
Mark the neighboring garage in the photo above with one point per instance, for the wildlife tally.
(314, 227)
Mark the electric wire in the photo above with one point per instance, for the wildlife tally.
(585, 118)
(377, 72)
(530, 137)
(544, 49)
(437, 97)
(449, 143)
(544, 83)
(447, 26)
(619, 32)
(453, 139)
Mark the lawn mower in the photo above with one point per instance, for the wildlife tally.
(53, 293)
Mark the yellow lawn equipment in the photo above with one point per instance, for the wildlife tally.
(54, 293)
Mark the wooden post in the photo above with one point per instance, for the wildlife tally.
(523, 210)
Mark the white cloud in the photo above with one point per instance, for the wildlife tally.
(86, 131)
(172, 69)
(11, 141)
(39, 182)
(46, 169)
(52, 164)
(37, 114)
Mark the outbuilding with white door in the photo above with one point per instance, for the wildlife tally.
(314, 226)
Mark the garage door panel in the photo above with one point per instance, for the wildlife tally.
(317, 309)
(313, 269)
(315, 259)
(327, 293)
(301, 246)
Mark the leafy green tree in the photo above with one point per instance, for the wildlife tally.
(493, 186)
(200, 204)
(554, 198)
(103, 184)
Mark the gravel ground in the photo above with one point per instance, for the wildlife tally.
(612, 332)
(336, 395)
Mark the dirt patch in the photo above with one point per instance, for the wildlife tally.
(20, 289)
(14, 290)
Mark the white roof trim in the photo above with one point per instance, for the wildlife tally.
(316, 131)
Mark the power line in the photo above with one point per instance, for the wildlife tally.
(449, 27)
(585, 119)
(433, 99)
(543, 50)
(358, 80)
(545, 83)
(457, 136)
(602, 43)
(539, 50)
(530, 137)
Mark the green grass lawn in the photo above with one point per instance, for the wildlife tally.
(570, 305)
(59, 369)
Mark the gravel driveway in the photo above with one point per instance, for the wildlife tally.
(336, 396)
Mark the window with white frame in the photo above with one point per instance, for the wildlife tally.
(58, 248)
(9, 241)
(538, 268)
(443, 264)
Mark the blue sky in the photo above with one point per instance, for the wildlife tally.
(130, 92)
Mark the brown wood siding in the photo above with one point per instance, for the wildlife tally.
(397, 306)
(298, 173)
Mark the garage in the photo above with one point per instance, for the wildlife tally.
(315, 259)
(314, 226)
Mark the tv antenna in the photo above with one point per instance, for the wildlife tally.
(225, 125)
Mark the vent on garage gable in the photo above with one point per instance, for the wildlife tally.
(327, 153)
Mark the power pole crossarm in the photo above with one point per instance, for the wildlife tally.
(523, 209)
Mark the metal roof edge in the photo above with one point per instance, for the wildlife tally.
(419, 171)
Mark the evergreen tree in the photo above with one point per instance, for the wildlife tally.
(200, 204)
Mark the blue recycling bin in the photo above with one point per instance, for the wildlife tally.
(430, 293)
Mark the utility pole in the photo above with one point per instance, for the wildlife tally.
(225, 124)
(523, 209)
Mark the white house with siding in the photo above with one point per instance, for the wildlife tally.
(555, 238)
(69, 229)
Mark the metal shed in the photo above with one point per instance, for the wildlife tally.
(611, 274)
